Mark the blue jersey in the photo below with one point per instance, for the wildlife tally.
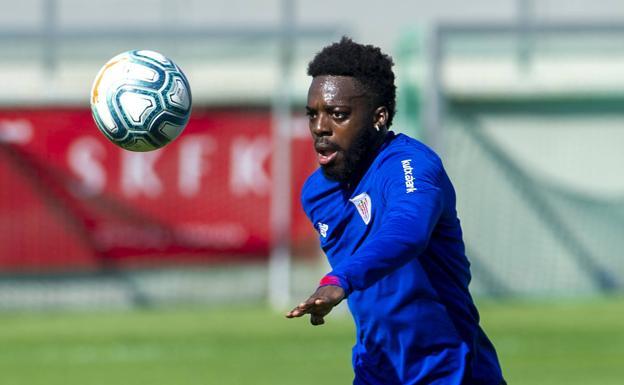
(395, 246)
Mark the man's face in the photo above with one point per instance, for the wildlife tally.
(341, 123)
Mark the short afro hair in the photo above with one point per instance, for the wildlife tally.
(366, 63)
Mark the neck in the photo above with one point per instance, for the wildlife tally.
(366, 161)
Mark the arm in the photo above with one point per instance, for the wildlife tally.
(409, 220)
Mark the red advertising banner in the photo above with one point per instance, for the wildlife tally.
(69, 199)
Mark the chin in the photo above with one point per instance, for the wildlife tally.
(336, 173)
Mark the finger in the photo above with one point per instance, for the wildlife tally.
(321, 301)
(296, 312)
(309, 302)
(322, 306)
(309, 306)
(313, 303)
(301, 309)
(316, 319)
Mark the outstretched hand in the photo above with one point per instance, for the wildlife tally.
(319, 304)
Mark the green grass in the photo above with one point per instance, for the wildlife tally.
(539, 343)
(566, 342)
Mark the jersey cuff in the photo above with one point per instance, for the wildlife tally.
(335, 280)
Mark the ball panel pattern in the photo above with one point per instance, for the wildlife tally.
(141, 100)
(137, 106)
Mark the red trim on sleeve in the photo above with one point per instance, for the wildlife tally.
(329, 280)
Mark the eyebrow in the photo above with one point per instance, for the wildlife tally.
(327, 107)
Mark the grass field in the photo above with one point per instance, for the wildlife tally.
(566, 342)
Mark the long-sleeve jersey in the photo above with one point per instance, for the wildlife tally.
(395, 246)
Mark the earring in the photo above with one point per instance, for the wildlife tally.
(377, 127)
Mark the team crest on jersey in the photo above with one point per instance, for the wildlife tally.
(363, 205)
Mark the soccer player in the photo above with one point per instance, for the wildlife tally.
(385, 212)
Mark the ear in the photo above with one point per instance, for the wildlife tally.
(380, 117)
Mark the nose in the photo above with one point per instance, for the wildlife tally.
(319, 126)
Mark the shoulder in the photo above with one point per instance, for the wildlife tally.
(406, 158)
(312, 183)
(316, 187)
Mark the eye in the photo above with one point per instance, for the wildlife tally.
(339, 115)
(311, 114)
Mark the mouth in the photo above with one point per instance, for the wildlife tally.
(325, 154)
(326, 158)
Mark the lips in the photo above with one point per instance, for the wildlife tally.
(326, 159)
(325, 153)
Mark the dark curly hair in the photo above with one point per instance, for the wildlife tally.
(366, 63)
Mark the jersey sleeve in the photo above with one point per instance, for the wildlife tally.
(413, 197)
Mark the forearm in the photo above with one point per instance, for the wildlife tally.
(380, 255)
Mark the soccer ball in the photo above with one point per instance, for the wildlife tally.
(141, 100)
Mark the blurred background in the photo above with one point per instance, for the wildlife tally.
(171, 266)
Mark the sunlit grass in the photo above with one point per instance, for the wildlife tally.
(553, 342)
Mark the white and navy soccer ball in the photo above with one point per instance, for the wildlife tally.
(141, 100)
